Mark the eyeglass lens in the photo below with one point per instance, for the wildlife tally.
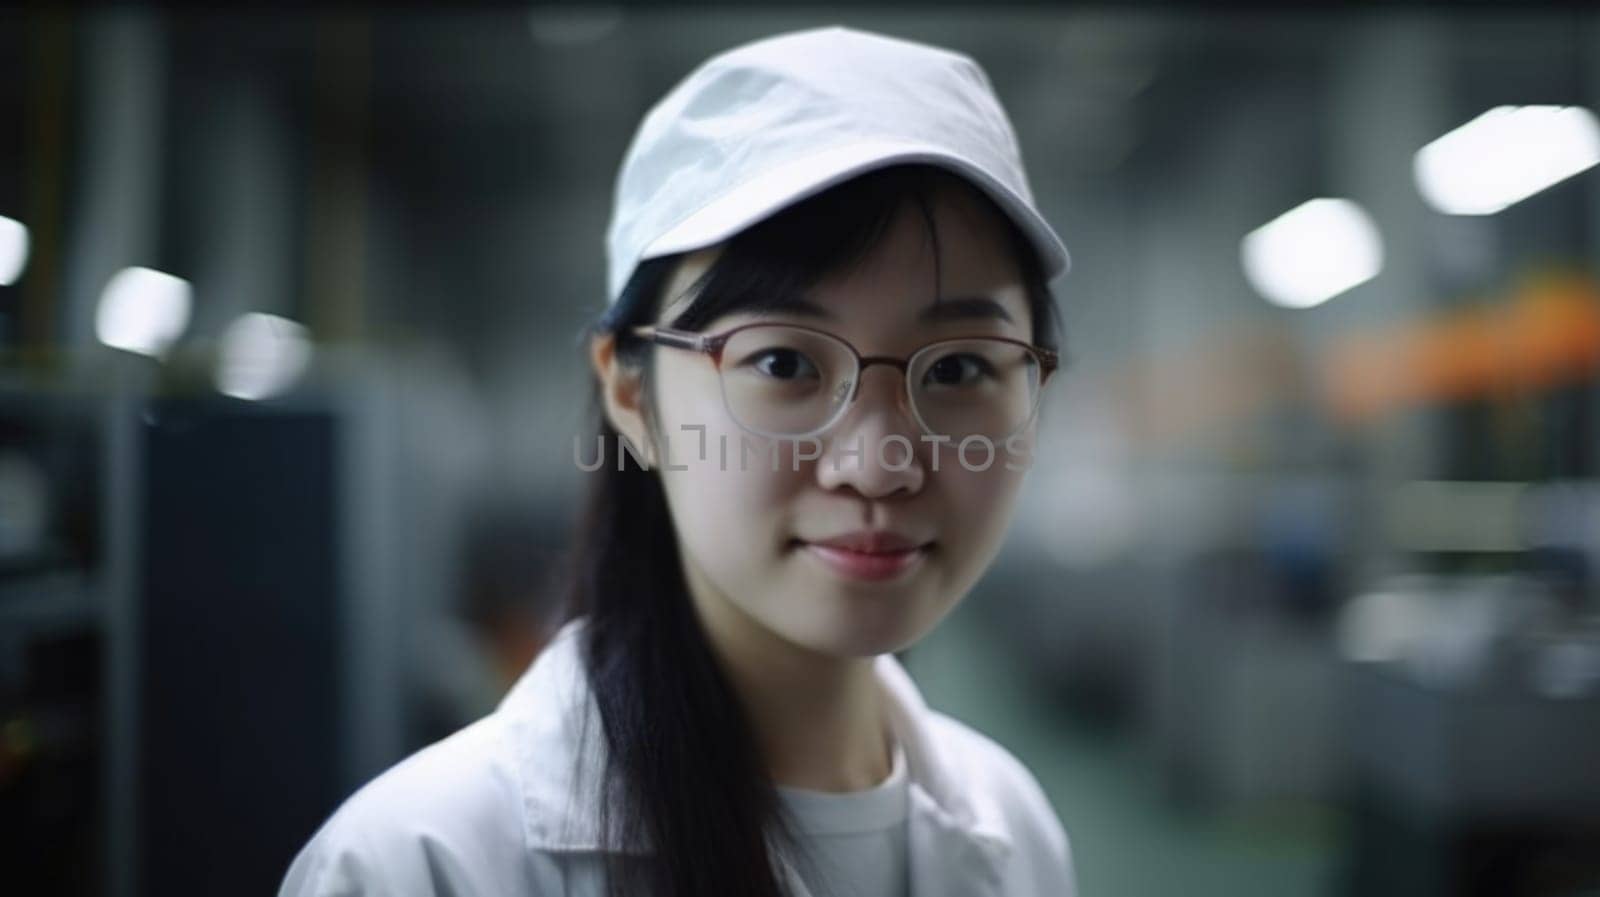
(787, 381)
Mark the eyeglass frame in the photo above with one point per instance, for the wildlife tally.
(713, 344)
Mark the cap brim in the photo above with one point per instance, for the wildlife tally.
(761, 197)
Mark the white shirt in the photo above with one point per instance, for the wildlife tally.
(510, 806)
(857, 838)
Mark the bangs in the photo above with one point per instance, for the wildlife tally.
(773, 264)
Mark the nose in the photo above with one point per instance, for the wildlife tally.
(874, 448)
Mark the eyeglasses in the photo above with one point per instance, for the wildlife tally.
(789, 381)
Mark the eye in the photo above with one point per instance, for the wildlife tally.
(783, 364)
(958, 369)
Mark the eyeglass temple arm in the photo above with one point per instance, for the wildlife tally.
(667, 337)
(1051, 360)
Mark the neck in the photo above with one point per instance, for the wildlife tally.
(818, 719)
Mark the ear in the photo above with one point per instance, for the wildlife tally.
(622, 391)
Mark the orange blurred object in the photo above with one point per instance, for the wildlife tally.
(1547, 335)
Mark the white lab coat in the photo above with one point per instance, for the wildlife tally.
(507, 806)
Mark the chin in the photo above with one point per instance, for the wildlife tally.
(861, 635)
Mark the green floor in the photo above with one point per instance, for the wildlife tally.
(1127, 840)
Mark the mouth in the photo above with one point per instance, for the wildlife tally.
(867, 563)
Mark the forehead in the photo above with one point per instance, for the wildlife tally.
(902, 280)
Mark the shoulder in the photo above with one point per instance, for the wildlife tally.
(1002, 787)
(446, 820)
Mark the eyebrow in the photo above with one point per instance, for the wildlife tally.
(960, 308)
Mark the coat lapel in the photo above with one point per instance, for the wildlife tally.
(793, 884)
(946, 859)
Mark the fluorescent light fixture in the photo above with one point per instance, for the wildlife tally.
(13, 250)
(143, 311)
(1505, 156)
(262, 356)
(1312, 253)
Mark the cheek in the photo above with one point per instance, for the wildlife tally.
(731, 527)
(688, 401)
(720, 506)
(730, 512)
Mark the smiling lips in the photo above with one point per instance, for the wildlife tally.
(868, 555)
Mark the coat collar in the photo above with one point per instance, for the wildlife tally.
(559, 749)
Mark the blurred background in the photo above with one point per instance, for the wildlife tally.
(1301, 600)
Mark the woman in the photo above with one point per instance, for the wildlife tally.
(818, 382)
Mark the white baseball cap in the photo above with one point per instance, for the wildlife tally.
(766, 124)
